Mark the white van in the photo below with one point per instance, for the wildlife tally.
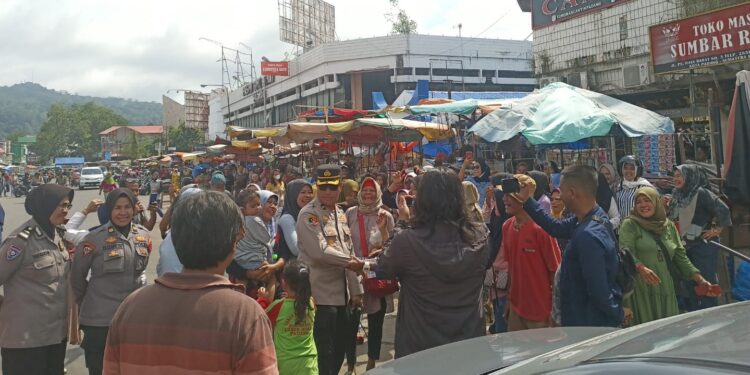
(91, 176)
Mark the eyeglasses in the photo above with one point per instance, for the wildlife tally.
(327, 187)
(65, 206)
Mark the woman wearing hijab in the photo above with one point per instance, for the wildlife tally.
(349, 192)
(115, 255)
(298, 193)
(480, 176)
(541, 194)
(34, 266)
(610, 173)
(654, 242)
(363, 225)
(631, 170)
(701, 215)
(472, 202)
(253, 258)
(606, 200)
(496, 262)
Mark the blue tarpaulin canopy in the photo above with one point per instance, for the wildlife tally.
(560, 113)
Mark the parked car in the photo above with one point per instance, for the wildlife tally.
(711, 341)
(90, 176)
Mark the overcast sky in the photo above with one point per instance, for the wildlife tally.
(140, 49)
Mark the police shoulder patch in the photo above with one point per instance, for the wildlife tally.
(313, 219)
(88, 247)
(13, 253)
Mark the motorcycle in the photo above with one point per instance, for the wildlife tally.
(20, 190)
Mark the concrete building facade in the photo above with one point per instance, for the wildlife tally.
(345, 73)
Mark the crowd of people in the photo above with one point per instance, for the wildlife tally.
(265, 271)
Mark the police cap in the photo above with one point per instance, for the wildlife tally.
(328, 174)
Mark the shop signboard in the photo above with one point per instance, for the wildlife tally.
(274, 68)
(548, 12)
(714, 38)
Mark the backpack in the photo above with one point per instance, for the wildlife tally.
(626, 271)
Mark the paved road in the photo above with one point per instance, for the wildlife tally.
(15, 215)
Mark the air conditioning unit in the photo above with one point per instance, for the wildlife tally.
(544, 81)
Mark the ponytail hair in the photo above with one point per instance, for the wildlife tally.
(297, 276)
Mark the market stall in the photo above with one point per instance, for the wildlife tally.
(559, 116)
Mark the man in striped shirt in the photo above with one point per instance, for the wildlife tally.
(196, 321)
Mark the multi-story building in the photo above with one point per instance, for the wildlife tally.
(129, 142)
(345, 73)
(604, 46)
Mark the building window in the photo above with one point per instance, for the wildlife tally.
(404, 71)
(456, 72)
(514, 74)
(623, 27)
(422, 71)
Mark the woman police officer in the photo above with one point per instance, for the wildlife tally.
(34, 268)
(116, 254)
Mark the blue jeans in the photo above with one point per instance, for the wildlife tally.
(500, 325)
(705, 258)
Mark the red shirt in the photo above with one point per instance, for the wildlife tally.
(533, 256)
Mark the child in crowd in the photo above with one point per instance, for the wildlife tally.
(253, 256)
(292, 320)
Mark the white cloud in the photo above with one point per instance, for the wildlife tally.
(142, 48)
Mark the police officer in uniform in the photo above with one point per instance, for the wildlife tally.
(116, 254)
(325, 244)
(34, 268)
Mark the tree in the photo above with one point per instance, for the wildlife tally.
(401, 23)
(185, 139)
(74, 131)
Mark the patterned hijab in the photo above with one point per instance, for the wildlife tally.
(370, 209)
(656, 224)
(694, 180)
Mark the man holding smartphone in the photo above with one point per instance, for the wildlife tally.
(589, 293)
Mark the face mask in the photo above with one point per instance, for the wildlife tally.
(277, 177)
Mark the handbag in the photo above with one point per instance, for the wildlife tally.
(373, 285)
(679, 284)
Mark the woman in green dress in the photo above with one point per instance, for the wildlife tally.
(654, 296)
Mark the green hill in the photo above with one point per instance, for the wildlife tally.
(23, 107)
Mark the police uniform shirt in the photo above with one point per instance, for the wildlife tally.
(325, 245)
(34, 273)
(117, 264)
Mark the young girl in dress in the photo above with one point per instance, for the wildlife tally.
(292, 318)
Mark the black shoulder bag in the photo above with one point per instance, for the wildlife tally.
(677, 280)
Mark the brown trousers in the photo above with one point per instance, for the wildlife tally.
(517, 323)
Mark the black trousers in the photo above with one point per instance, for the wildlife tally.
(375, 331)
(94, 340)
(44, 360)
(330, 332)
(351, 337)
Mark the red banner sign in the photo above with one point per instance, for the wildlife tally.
(274, 68)
(720, 37)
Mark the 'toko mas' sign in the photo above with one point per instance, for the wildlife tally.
(720, 37)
